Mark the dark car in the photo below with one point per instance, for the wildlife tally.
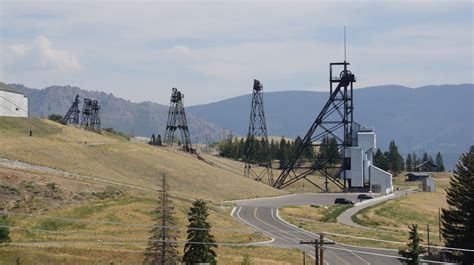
(364, 197)
(342, 201)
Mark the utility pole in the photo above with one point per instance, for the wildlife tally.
(428, 234)
(304, 258)
(439, 223)
(318, 248)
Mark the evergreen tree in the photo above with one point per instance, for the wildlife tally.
(241, 148)
(409, 163)
(162, 245)
(385, 164)
(458, 218)
(199, 248)
(330, 150)
(416, 161)
(379, 159)
(425, 157)
(439, 162)
(412, 253)
(394, 159)
(283, 151)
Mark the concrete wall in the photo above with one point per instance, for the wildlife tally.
(13, 104)
(366, 140)
(382, 178)
(356, 174)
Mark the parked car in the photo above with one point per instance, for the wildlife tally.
(342, 201)
(364, 197)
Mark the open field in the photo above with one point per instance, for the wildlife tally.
(420, 208)
(106, 217)
(387, 221)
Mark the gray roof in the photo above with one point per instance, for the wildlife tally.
(419, 174)
(5, 87)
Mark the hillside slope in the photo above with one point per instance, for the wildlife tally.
(115, 159)
(425, 119)
(140, 119)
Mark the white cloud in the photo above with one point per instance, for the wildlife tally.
(40, 55)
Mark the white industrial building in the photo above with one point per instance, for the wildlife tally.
(360, 171)
(12, 102)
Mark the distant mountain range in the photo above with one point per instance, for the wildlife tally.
(425, 119)
(141, 119)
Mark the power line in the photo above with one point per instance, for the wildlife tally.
(231, 230)
(398, 242)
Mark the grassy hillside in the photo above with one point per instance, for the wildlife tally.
(113, 158)
(104, 214)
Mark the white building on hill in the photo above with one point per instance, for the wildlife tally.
(12, 103)
(361, 173)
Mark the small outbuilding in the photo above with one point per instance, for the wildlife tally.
(426, 166)
(416, 176)
(429, 184)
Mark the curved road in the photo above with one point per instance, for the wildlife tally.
(262, 214)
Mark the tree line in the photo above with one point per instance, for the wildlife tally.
(281, 151)
(391, 160)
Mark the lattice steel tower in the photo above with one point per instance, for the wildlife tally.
(333, 124)
(91, 115)
(72, 115)
(258, 164)
(177, 121)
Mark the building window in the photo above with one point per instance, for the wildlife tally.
(347, 163)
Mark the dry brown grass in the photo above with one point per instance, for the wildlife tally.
(112, 158)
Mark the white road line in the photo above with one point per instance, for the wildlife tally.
(258, 229)
(232, 212)
(283, 221)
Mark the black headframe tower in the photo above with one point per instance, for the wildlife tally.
(257, 134)
(177, 121)
(334, 122)
(91, 115)
(95, 117)
(72, 115)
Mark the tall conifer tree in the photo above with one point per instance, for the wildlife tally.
(199, 248)
(458, 218)
(162, 245)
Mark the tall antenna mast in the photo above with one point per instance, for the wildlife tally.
(344, 43)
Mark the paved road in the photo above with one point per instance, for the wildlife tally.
(262, 214)
(346, 217)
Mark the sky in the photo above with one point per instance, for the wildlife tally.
(212, 50)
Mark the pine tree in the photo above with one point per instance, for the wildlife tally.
(283, 153)
(458, 218)
(162, 245)
(379, 160)
(330, 150)
(394, 159)
(409, 163)
(199, 248)
(439, 162)
(416, 161)
(425, 157)
(414, 249)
